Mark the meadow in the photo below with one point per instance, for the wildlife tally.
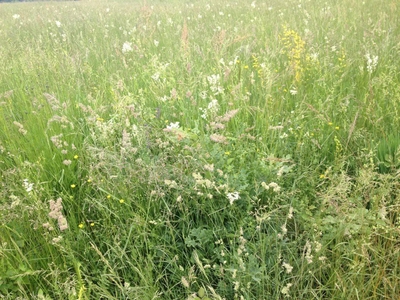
(200, 150)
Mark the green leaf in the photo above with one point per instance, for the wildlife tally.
(201, 292)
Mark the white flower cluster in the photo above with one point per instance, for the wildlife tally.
(372, 62)
(274, 186)
(28, 186)
(232, 197)
(127, 47)
(172, 126)
(215, 86)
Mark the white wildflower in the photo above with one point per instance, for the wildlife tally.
(16, 16)
(28, 186)
(273, 185)
(209, 167)
(58, 24)
(156, 43)
(290, 214)
(213, 106)
(127, 47)
(314, 56)
(232, 197)
(156, 76)
(172, 126)
(307, 252)
(213, 79)
(288, 267)
(372, 62)
(285, 290)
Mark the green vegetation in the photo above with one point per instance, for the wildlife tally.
(203, 150)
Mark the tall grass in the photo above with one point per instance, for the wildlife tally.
(204, 150)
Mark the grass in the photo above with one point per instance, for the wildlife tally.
(176, 150)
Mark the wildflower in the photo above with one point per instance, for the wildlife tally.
(285, 290)
(372, 62)
(155, 76)
(127, 47)
(273, 185)
(322, 176)
(337, 127)
(290, 214)
(288, 267)
(232, 197)
(227, 153)
(92, 224)
(56, 213)
(16, 16)
(184, 282)
(73, 186)
(330, 123)
(284, 229)
(217, 126)
(218, 139)
(57, 239)
(76, 156)
(58, 24)
(213, 106)
(28, 186)
(173, 126)
(293, 92)
(156, 43)
(81, 225)
(307, 252)
(89, 180)
(209, 167)
(108, 196)
(121, 201)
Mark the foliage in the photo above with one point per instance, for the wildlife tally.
(170, 150)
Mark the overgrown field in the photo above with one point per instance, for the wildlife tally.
(200, 150)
